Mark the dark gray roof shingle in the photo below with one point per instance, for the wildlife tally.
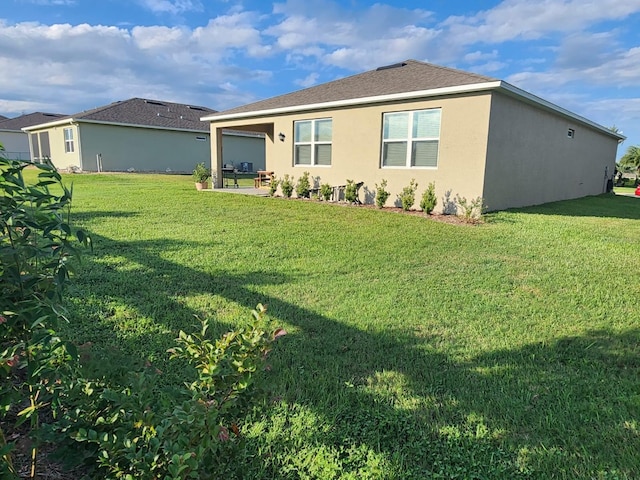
(141, 112)
(28, 120)
(149, 113)
(408, 76)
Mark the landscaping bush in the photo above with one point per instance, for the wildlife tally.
(471, 211)
(273, 186)
(408, 195)
(286, 185)
(303, 186)
(429, 199)
(381, 193)
(326, 191)
(351, 192)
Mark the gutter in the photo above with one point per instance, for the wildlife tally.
(76, 121)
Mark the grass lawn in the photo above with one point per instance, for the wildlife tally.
(416, 349)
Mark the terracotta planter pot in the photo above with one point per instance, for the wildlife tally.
(202, 185)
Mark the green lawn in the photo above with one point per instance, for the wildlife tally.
(416, 349)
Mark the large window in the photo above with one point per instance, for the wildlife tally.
(312, 142)
(411, 139)
(68, 140)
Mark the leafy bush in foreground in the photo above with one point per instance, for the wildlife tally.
(127, 438)
(36, 248)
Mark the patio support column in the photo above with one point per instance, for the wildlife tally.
(216, 156)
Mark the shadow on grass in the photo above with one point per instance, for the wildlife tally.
(570, 407)
(606, 206)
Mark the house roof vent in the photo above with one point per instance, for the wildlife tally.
(153, 102)
(393, 65)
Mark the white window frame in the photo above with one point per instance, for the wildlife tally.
(69, 144)
(312, 143)
(409, 139)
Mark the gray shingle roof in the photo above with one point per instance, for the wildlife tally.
(142, 112)
(28, 120)
(408, 76)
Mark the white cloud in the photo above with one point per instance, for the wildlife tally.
(616, 70)
(527, 20)
(352, 39)
(173, 7)
(58, 63)
(309, 81)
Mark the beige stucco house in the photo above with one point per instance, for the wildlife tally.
(138, 135)
(472, 135)
(15, 140)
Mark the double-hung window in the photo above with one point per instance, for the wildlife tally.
(411, 139)
(68, 140)
(312, 142)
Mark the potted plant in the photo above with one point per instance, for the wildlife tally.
(200, 175)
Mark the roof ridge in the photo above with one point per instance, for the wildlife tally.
(450, 69)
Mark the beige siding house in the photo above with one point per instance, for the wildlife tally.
(472, 135)
(137, 135)
(16, 141)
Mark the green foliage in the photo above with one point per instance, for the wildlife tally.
(326, 191)
(201, 173)
(370, 386)
(129, 439)
(382, 194)
(471, 211)
(631, 158)
(273, 186)
(351, 192)
(408, 195)
(303, 186)
(37, 246)
(286, 185)
(429, 199)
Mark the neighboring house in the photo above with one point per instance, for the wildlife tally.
(14, 140)
(472, 135)
(138, 135)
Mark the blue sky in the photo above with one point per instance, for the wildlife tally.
(65, 56)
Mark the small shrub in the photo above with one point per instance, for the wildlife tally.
(273, 186)
(351, 192)
(116, 429)
(429, 200)
(326, 191)
(201, 173)
(381, 193)
(303, 186)
(471, 211)
(286, 185)
(408, 195)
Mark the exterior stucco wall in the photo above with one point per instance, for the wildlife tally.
(61, 159)
(357, 147)
(238, 149)
(142, 149)
(16, 145)
(531, 160)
